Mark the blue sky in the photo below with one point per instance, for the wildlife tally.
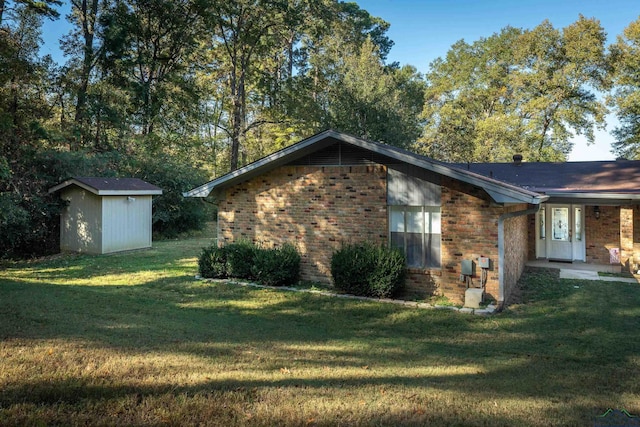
(423, 30)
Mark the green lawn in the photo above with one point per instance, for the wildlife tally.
(134, 339)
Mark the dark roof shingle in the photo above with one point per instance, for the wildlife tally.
(106, 186)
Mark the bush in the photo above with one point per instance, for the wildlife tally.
(243, 260)
(277, 267)
(240, 259)
(212, 263)
(368, 270)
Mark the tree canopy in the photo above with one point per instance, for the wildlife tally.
(148, 87)
(525, 91)
(625, 98)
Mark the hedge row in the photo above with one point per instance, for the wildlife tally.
(359, 269)
(243, 260)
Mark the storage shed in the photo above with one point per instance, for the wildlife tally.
(105, 215)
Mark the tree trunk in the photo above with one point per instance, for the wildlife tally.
(1, 10)
(88, 19)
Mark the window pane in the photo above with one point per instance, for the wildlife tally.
(415, 221)
(397, 240)
(560, 224)
(432, 219)
(542, 224)
(397, 220)
(578, 220)
(433, 250)
(415, 257)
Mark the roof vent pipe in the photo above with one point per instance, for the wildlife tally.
(517, 159)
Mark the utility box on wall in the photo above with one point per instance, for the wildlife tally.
(468, 267)
(483, 262)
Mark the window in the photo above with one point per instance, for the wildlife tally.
(578, 223)
(541, 223)
(560, 224)
(413, 197)
(416, 230)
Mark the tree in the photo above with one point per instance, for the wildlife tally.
(80, 45)
(625, 62)
(23, 84)
(39, 7)
(246, 34)
(371, 100)
(147, 51)
(529, 91)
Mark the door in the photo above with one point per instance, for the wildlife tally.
(560, 242)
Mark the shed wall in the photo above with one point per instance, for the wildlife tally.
(81, 222)
(126, 223)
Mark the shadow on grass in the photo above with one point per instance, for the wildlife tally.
(571, 338)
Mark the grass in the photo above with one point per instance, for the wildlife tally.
(624, 274)
(134, 339)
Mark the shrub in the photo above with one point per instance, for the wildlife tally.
(213, 263)
(278, 266)
(368, 270)
(240, 259)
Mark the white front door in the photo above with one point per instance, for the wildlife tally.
(560, 236)
(563, 235)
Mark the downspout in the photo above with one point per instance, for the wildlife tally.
(501, 220)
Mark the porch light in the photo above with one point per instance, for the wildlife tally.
(596, 211)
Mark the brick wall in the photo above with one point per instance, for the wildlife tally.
(469, 230)
(318, 208)
(601, 234)
(516, 249)
(626, 237)
(531, 236)
(636, 237)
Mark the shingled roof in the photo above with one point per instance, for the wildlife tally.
(619, 176)
(110, 186)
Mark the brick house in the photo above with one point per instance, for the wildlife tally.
(483, 220)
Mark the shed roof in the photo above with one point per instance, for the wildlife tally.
(501, 192)
(110, 186)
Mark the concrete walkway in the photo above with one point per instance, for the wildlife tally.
(566, 273)
(584, 271)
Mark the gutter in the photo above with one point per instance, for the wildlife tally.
(501, 220)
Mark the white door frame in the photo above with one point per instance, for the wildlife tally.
(568, 243)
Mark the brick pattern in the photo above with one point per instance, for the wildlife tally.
(636, 238)
(531, 236)
(601, 234)
(516, 250)
(469, 230)
(626, 238)
(317, 208)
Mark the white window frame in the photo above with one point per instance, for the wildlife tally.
(431, 228)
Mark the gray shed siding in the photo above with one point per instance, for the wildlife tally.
(81, 222)
(126, 223)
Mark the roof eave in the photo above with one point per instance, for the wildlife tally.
(97, 192)
(70, 182)
(594, 198)
(129, 192)
(256, 167)
(506, 193)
